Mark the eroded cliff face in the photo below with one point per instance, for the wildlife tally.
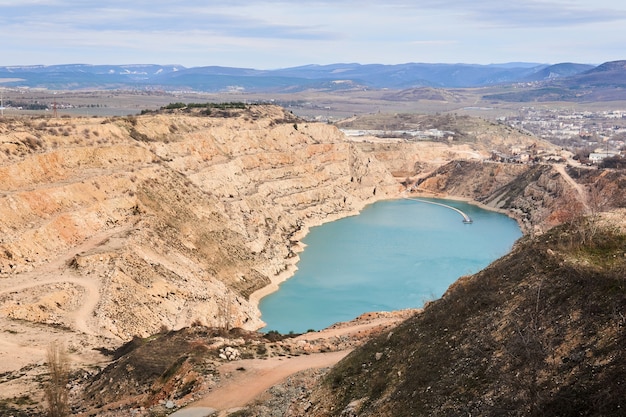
(538, 196)
(118, 227)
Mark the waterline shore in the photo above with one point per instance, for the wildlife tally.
(525, 228)
(384, 304)
(291, 267)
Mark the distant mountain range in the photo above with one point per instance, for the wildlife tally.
(606, 82)
(315, 77)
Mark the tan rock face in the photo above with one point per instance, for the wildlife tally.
(117, 227)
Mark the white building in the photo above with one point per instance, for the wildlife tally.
(597, 157)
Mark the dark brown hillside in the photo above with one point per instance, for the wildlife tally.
(540, 332)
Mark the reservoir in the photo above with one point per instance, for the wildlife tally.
(395, 254)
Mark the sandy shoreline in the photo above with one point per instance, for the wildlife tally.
(291, 264)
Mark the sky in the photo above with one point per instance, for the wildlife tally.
(271, 34)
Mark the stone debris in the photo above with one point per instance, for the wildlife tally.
(229, 353)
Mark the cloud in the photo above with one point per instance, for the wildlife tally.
(281, 32)
(506, 13)
(140, 16)
(305, 20)
(434, 42)
(546, 14)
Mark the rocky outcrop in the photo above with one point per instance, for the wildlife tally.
(538, 196)
(118, 227)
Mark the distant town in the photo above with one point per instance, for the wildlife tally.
(592, 136)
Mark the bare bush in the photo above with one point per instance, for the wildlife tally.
(32, 142)
(56, 391)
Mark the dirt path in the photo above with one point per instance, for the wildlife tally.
(247, 379)
(25, 342)
(579, 188)
(56, 266)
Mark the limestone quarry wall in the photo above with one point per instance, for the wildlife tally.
(119, 227)
(537, 196)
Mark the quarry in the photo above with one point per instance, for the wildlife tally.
(117, 230)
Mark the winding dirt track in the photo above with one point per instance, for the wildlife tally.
(26, 341)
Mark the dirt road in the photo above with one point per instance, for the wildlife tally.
(247, 379)
(576, 186)
(24, 343)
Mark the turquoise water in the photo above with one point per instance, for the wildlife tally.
(395, 254)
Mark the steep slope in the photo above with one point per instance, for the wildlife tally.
(118, 227)
(538, 196)
(123, 227)
(539, 332)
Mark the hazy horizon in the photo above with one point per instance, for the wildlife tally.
(312, 64)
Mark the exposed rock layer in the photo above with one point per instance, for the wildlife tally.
(112, 228)
(165, 220)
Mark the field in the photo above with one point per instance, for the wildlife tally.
(312, 105)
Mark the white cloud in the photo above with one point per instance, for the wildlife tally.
(275, 33)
